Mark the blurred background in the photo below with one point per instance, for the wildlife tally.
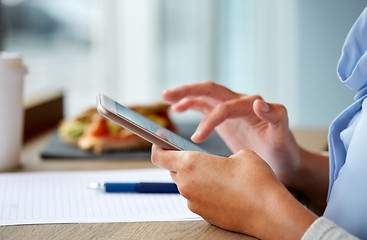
(131, 50)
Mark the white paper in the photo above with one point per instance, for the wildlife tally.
(64, 197)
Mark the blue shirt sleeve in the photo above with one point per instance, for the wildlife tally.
(347, 204)
(347, 197)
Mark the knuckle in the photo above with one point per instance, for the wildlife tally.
(186, 169)
(210, 83)
(185, 190)
(221, 108)
(193, 207)
(245, 152)
(187, 187)
(256, 96)
(190, 101)
(283, 109)
(187, 162)
(209, 87)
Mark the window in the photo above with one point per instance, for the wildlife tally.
(57, 42)
(133, 49)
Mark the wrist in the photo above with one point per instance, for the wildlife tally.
(286, 217)
(311, 177)
(293, 166)
(298, 169)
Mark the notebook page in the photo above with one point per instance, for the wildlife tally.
(64, 197)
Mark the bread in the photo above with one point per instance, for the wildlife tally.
(91, 131)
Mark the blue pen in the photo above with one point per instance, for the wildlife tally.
(140, 187)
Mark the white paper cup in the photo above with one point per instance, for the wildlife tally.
(12, 73)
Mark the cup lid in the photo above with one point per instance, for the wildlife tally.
(10, 60)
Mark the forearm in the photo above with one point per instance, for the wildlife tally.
(312, 177)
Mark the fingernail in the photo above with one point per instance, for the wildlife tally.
(195, 135)
(164, 92)
(264, 107)
(164, 96)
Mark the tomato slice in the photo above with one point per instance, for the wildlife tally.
(99, 128)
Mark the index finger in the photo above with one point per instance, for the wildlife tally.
(166, 159)
(205, 89)
(242, 107)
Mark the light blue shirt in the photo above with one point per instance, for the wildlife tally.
(347, 197)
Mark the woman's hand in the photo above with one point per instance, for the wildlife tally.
(239, 193)
(244, 122)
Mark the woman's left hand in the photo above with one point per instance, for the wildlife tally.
(239, 193)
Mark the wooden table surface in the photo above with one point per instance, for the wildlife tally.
(139, 230)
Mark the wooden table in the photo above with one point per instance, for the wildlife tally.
(139, 230)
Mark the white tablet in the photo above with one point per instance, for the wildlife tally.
(143, 126)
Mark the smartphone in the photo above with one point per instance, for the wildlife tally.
(143, 126)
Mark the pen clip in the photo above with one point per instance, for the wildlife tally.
(96, 185)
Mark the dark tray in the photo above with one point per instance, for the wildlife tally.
(57, 149)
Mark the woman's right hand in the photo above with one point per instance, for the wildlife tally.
(243, 122)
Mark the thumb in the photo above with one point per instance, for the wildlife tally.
(275, 114)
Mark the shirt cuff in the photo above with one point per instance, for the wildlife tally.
(323, 228)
